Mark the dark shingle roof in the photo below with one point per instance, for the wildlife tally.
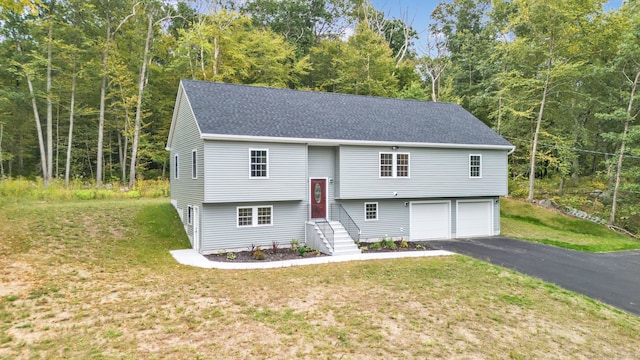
(230, 109)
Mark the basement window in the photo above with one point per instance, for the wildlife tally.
(254, 216)
(371, 211)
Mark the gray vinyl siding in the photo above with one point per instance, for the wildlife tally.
(228, 178)
(336, 178)
(393, 218)
(220, 230)
(185, 190)
(322, 165)
(433, 173)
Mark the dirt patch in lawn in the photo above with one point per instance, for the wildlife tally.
(295, 253)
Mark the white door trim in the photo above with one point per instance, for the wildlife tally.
(326, 196)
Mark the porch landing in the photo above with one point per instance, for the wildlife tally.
(191, 257)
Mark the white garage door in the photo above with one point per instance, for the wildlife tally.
(474, 218)
(430, 221)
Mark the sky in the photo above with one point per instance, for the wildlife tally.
(418, 12)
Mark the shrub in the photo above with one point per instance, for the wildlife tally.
(84, 194)
(295, 244)
(258, 254)
(303, 250)
(374, 246)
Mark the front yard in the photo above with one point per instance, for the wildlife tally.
(94, 279)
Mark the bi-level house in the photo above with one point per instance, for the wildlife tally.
(255, 165)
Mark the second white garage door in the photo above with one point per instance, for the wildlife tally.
(474, 218)
(430, 220)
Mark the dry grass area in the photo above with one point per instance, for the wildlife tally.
(94, 279)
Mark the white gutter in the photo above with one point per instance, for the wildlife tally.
(337, 142)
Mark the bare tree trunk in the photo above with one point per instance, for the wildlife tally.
(534, 146)
(103, 90)
(67, 167)
(499, 113)
(123, 139)
(57, 141)
(36, 115)
(216, 53)
(614, 202)
(103, 95)
(49, 100)
(136, 131)
(2, 166)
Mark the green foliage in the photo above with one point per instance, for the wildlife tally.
(295, 244)
(529, 222)
(366, 67)
(258, 254)
(303, 250)
(387, 243)
(20, 189)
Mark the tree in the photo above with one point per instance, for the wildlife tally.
(110, 33)
(367, 66)
(628, 62)
(544, 45)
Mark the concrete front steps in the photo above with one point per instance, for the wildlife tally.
(343, 244)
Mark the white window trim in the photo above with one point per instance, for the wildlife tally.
(394, 165)
(258, 177)
(480, 166)
(189, 215)
(194, 164)
(176, 167)
(377, 211)
(254, 216)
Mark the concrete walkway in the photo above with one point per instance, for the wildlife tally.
(193, 258)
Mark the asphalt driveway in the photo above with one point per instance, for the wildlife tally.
(613, 278)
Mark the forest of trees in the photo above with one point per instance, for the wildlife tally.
(87, 88)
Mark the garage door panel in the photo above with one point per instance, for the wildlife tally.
(430, 221)
(474, 218)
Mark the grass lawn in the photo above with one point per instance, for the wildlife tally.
(94, 279)
(525, 221)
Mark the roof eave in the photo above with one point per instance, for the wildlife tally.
(337, 142)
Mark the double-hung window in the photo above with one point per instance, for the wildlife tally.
(370, 211)
(254, 216)
(475, 166)
(176, 168)
(194, 164)
(259, 163)
(394, 165)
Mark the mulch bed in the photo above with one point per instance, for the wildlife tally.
(288, 254)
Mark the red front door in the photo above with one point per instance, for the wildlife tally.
(318, 198)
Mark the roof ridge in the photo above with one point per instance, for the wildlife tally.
(317, 92)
